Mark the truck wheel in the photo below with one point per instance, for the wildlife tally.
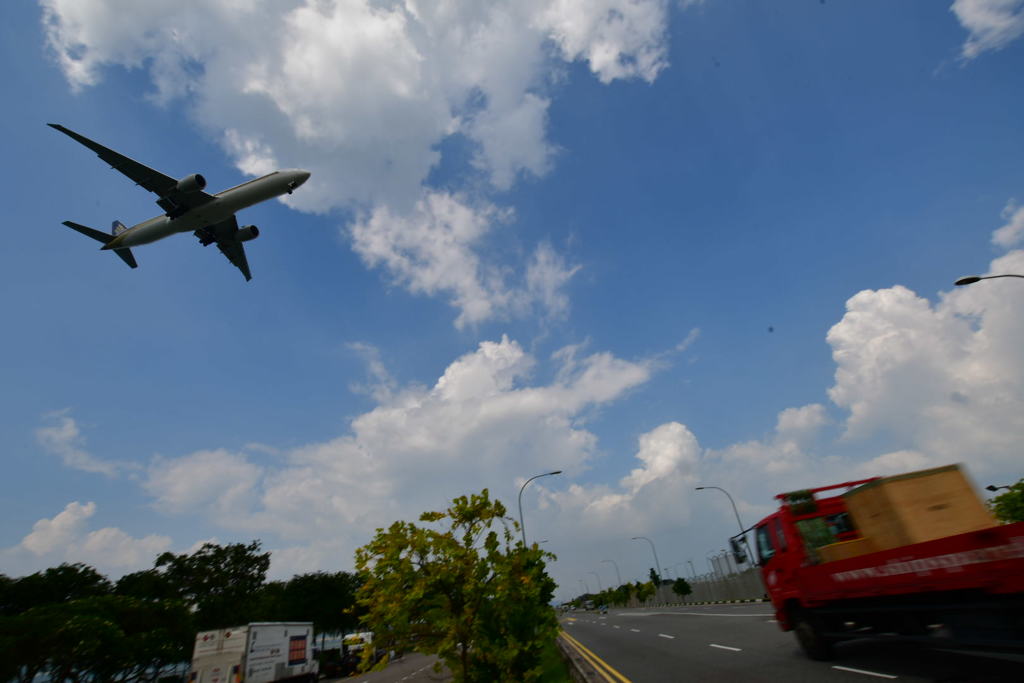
(811, 638)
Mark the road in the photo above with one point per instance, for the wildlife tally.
(742, 642)
(410, 667)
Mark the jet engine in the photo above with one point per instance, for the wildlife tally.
(249, 232)
(191, 183)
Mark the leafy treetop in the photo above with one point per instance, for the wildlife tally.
(1008, 507)
(466, 591)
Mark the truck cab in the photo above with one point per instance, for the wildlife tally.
(792, 537)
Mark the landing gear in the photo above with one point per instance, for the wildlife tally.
(206, 236)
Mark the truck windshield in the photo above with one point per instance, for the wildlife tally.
(824, 530)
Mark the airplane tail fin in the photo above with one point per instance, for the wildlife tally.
(117, 227)
(124, 254)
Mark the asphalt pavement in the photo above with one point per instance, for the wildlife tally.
(409, 667)
(742, 642)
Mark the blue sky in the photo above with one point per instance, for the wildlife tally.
(654, 244)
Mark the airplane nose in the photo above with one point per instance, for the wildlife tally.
(299, 176)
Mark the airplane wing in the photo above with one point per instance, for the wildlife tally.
(224, 234)
(171, 199)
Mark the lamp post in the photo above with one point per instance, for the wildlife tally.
(971, 279)
(585, 587)
(714, 567)
(617, 574)
(657, 565)
(692, 569)
(736, 512)
(522, 527)
(600, 588)
(993, 487)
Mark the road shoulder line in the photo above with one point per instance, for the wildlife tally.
(602, 667)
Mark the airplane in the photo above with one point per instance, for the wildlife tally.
(187, 207)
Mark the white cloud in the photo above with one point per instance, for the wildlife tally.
(688, 341)
(433, 250)
(992, 24)
(546, 278)
(113, 548)
(1010, 234)
(49, 535)
(943, 380)
(206, 480)
(363, 94)
(668, 450)
(783, 453)
(63, 438)
(64, 538)
(897, 462)
(617, 39)
(484, 422)
(668, 458)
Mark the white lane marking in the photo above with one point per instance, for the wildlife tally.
(866, 673)
(771, 621)
(665, 635)
(635, 630)
(616, 626)
(726, 647)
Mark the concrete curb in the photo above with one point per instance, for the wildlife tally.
(689, 604)
(720, 602)
(580, 670)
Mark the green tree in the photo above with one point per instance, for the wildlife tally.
(220, 582)
(326, 599)
(681, 587)
(148, 584)
(643, 591)
(468, 593)
(620, 595)
(63, 583)
(101, 638)
(1009, 507)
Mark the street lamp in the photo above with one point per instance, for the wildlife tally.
(743, 532)
(617, 574)
(993, 487)
(600, 588)
(522, 527)
(971, 279)
(657, 565)
(692, 569)
(715, 570)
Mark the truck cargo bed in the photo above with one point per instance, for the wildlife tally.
(988, 560)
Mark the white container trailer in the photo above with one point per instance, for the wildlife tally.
(263, 652)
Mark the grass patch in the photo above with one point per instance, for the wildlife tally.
(554, 669)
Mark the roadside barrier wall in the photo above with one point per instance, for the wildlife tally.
(738, 586)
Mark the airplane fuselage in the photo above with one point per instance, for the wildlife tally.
(224, 205)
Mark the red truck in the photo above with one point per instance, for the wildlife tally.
(914, 557)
